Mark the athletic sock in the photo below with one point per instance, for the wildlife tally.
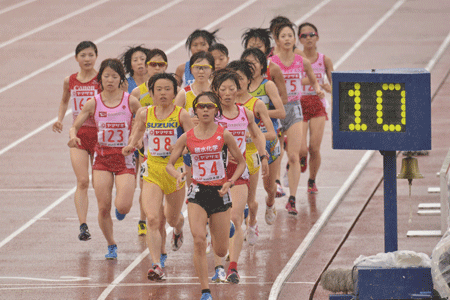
(233, 265)
(278, 181)
(219, 266)
(208, 291)
(311, 182)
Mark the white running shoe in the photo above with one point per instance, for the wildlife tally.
(208, 239)
(271, 214)
(219, 276)
(252, 235)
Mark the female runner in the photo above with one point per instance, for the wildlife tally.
(199, 40)
(293, 66)
(156, 62)
(313, 107)
(165, 123)
(134, 62)
(274, 23)
(260, 38)
(202, 66)
(220, 54)
(208, 194)
(245, 71)
(238, 120)
(112, 111)
(266, 91)
(77, 89)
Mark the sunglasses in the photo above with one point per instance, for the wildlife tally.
(311, 34)
(208, 105)
(201, 67)
(157, 63)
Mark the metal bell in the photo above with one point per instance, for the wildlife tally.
(410, 169)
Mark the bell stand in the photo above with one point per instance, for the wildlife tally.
(390, 200)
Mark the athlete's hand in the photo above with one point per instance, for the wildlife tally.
(264, 168)
(326, 87)
(74, 142)
(180, 179)
(127, 150)
(57, 127)
(320, 93)
(224, 189)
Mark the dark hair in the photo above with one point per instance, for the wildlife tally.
(219, 47)
(114, 64)
(169, 76)
(307, 24)
(223, 75)
(210, 37)
(126, 57)
(245, 67)
(257, 33)
(153, 52)
(257, 54)
(202, 55)
(214, 99)
(281, 26)
(85, 45)
(278, 20)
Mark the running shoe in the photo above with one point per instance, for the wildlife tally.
(112, 252)
(220, 275)
(280, 193)
(206, 296)
(232, 229)
(271, 214)
(233, 276)
(290, 206)
(252, 235)
(177, 241)
(142, 228)
(120, 216)
(303, 163)
(162, 260)
(155, 273)
(312, 189)
(84, 233)
(246, 211)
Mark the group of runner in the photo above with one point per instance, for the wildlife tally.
(211, 126)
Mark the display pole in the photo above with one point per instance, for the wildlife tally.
(390, 201)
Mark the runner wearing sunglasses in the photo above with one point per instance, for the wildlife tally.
(163, 123)
(293, 67)
(202, 66)
(313, 106)
(208, 194)
(199, 40)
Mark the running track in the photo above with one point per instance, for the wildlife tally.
(40, 256)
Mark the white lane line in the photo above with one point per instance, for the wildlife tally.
(37, 217)
(71, 55)
(59, 20)
(20, 4)
(334, 203)
(27, 136)
(311, 12)
(439, 53)
(61, 279)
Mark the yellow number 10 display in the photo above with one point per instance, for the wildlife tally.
(372, 107)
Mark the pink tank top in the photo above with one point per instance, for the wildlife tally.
(319, 70)
(238, 127)
(292, 76)
(208, 159)
(80, 93)
(113, 125)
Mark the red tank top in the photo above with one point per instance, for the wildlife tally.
(80, 93)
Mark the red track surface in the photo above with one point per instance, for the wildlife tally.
(38, 250)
